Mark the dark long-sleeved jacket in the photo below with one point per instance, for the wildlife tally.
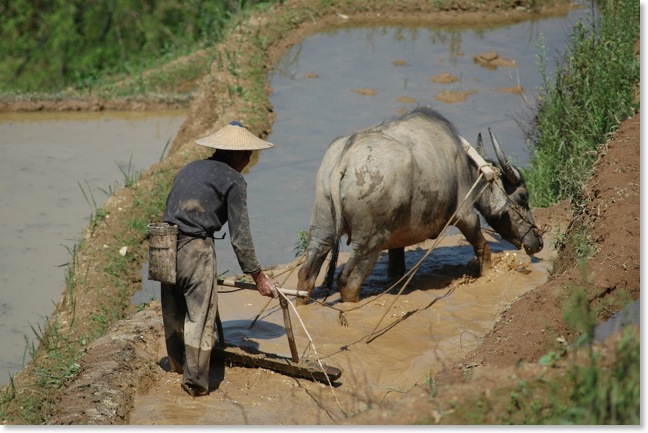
(205, 195)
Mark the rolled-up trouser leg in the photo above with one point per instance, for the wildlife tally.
(173, 316)
(196, 269)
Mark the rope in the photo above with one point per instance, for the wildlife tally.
(409, 274)
(290, 271)
(545, 228)
(408, 314)
(312, 344)
(416, 267)
(373, 335)
(342, 313)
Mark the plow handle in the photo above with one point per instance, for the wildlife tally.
(250, 286)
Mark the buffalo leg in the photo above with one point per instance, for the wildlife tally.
(396, 265)
(472, 231)
(310, 269)
(357, 269)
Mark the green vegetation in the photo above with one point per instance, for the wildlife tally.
(58, 45)
(593, 91)
(591, 388)
(600, 394)
(58, 49)
(301, 243)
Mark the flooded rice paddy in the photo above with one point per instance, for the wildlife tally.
(331, 84)
(57, 169)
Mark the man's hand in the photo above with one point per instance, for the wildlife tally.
(265, 285)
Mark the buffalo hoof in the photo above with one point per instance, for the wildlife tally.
(478, 268)
(350, 297)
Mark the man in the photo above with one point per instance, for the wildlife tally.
(205, 195)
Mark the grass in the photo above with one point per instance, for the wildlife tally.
(82, 49)
(130, 177)
(301, 243)
(592, 93)
(599, 394)
(97, 214)
(70, 273)
(55, 360)
(582, 385)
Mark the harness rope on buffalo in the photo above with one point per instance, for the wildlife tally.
(319, 371)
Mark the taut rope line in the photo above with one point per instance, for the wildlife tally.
(312, 344)
(290, 271)
(372, 336)
(416, 267)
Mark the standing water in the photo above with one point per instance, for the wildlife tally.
(330, 85)
(57, 169)
(344, 79)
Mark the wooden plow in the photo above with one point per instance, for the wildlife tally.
(248, 357)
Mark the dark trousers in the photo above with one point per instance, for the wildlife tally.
(189, 310)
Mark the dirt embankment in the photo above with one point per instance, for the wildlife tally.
(535, 325)
(125, 361)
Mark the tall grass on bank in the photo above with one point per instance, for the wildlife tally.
(593, 92)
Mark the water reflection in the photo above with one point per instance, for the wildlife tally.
(314, 82)
(314, 101)
(44, 210)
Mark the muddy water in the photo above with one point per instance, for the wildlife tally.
(56, 170)
(338, 81)
(391, 342)
(330, 85)
(315, 98)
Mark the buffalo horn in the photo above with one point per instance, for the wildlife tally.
(480, 145)
(511, 173)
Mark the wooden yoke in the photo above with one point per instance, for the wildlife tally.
(482, 165)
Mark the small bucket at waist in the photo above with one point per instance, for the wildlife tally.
(163, 240)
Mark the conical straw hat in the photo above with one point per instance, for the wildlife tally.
(234, 137)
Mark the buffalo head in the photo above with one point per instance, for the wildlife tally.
(505, 204)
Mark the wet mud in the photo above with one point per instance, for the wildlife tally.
(392, 340)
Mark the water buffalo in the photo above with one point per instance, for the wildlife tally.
(398, 184)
